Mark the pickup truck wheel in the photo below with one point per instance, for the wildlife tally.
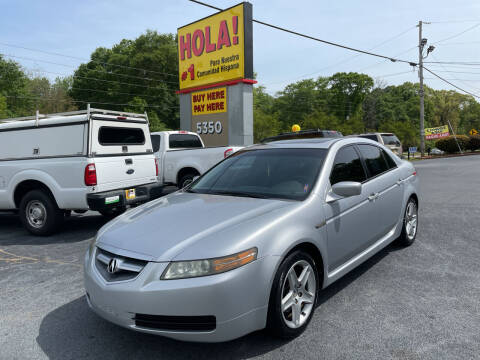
(293, 296)
(186, 180)
(39, 213)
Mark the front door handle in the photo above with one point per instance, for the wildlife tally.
(373, 197)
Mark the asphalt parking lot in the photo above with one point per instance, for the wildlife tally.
(422, 302)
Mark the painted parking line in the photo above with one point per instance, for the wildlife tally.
(10, 258)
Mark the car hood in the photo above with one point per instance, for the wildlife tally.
(160, 230)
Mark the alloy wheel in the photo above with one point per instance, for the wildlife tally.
(411, 215)
(298, 294)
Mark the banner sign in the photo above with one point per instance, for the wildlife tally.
(209, 101)
(436, 132)
(217, 48)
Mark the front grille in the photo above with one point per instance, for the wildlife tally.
(127, 268)
(176, 323)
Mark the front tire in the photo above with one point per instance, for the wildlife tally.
(410, 224)
(39, 213)
(293, 296)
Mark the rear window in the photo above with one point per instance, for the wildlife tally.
(390, 139)
(184, 141)
(109, 135)
(371, 137)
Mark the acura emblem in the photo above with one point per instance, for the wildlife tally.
(112, 266)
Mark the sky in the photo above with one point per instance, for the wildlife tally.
(75, 29)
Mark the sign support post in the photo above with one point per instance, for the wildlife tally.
(455, 136)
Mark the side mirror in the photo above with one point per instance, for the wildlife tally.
(347, 188)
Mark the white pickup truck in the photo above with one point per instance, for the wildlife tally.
(181, 156)
(96, 159)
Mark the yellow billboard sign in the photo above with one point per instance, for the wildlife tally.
(209, 101)
(436, 132)
(217, 48)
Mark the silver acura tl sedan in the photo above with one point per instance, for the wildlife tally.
(250, 244)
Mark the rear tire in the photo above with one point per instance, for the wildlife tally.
(186, 179)
(410, 224)
(39, 213)
(293, 296)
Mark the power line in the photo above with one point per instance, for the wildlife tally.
(461, 81)
(458, 72)
(382, 61)
(347, 59)
(84, 59)
(450, 83)
(315, 38)
(92, 78)
(464, 63)
(86, 102)
(73, 66)
(457, 35)
(453, 21)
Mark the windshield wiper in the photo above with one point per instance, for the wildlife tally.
(240, 194)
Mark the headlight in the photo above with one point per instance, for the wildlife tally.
(195, 268)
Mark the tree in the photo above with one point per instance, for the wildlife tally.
(13, 83)
(139, 105)
(3, 107)
(265, 125)
(145, 68)
(347, 92)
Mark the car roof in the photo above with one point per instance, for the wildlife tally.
(322, 143)
(314, 143)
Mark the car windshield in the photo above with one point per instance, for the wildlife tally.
(264, 173)
(390, 139)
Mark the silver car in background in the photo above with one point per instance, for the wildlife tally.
(249, 244)
(388, 139)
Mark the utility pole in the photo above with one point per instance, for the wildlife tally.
(421, 44)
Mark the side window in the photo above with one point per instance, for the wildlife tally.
(347, 166)
(155, 142)
(391, 163)
(376, 163)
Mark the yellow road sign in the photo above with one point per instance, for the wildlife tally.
(473, 132)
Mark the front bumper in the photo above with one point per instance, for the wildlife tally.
(238, 299)
(144, 193)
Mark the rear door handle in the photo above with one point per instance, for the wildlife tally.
(399, 182)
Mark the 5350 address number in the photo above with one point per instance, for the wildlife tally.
(209, 127)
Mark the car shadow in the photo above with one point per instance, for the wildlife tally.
(76, 228)
(350, 277)
(74, 331)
